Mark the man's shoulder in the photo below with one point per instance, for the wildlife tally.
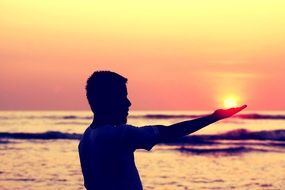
(105, 131)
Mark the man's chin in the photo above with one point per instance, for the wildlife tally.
(124, 121)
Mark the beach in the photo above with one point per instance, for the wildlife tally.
(39, 151)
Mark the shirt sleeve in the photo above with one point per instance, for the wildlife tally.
(141, 137)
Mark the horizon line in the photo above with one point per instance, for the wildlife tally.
(137, 110)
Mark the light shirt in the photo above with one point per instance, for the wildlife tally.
(107, 155)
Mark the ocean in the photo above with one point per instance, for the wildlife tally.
(38, 150)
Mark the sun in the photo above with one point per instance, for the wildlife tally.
(230, 102)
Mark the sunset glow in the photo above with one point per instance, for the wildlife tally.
(177, 55)
(230, 102)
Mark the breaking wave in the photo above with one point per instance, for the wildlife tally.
(234, 135)
(44, 136)
(239, 134)
(229, 149)
(237, 149)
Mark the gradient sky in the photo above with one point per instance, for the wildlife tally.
(177, 55)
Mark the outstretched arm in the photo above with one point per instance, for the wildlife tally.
(187, 127)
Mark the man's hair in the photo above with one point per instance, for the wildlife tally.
(101, 87)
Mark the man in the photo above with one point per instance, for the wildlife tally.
(107, 146)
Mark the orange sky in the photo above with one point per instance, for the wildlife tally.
(178, 55)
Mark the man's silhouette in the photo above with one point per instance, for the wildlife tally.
(107, 146)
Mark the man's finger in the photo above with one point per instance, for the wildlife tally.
(238, 109)
(242, 107)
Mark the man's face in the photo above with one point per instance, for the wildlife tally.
(120, 105)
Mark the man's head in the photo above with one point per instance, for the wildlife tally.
(106, 92)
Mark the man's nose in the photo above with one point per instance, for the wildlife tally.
(129, 103)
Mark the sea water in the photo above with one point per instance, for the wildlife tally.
(38, 150)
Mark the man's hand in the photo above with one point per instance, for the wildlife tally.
(187, 127)
(225, 113)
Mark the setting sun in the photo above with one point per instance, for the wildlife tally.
(230, 102)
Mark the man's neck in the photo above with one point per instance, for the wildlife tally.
(98, 121)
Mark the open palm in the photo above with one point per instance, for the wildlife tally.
(225, 113)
